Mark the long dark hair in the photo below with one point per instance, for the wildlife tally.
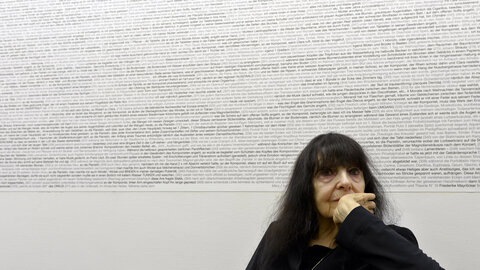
(297, 218)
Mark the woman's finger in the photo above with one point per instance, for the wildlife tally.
(370, 206)
(363, 197)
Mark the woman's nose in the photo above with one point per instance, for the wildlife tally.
(344, 181)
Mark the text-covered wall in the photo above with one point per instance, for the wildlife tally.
(222, 95)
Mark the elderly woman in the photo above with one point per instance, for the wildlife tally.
(331, 216)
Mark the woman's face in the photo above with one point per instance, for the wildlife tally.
(331, 184)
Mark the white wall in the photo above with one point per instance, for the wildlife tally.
(193, 230)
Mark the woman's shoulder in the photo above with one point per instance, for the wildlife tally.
(405, 233)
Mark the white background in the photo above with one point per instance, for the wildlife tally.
(194, 230)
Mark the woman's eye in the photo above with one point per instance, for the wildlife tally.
(326, 172)
(354, 171)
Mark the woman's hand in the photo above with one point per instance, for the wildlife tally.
(350, 201)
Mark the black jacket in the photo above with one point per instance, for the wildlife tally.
(364, 242)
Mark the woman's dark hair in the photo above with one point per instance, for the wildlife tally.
(297, 219)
